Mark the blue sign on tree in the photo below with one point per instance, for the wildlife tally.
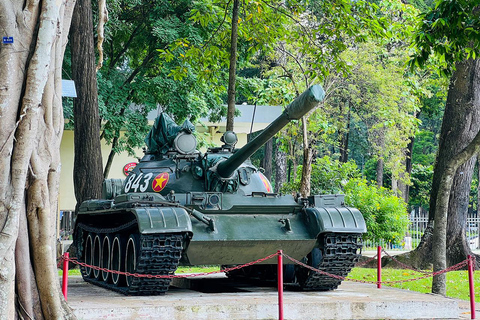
(7, 40)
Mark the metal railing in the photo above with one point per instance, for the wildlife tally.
(416, 229)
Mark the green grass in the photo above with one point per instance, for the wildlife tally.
(200, 269)
(71, 272)
(457, 281)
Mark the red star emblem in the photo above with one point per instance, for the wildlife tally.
(160, 182)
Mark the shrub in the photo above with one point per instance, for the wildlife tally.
(384, 213)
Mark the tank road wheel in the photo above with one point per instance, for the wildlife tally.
(313, 259)
(118, 255)
(337, 255)
(106, 256)
(97, 256)
(131, 254)
(87, 255)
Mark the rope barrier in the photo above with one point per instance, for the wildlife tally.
(172, 276)
(403, 264)
(470, 262)
(360, 264)
(237, 267)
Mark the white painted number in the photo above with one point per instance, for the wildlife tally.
(146, 182)
(128, 184)
(138, 182)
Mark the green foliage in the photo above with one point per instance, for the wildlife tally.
(423, 5)
(450, 31)
(474, 190)
(419, 195)
(133, 83)
(328, 176)
(385, 214)
(378, 96)
(424, 148)
(370, 173)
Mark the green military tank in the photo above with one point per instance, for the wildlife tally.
(182, 207)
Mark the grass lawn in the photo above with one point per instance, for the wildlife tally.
(457, 281)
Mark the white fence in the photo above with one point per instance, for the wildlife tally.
(417, 228)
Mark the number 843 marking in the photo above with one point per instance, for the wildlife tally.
(138, 182)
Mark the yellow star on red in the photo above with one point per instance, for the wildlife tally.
(160, 182)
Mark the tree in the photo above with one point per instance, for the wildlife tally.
(87, 166)
(31, 127)
(309, 58)
(453, 170)
(232, 70)
(450, 179)
(138, 75)
(377, 94)
(450, 31)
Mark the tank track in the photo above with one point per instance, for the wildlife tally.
(339, 255)
(159, 255)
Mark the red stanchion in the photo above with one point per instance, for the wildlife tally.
(280, 284)
(470, 283)
(65, 274)
(379, 267)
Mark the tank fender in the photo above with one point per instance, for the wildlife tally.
(162, 219)
(334, 219)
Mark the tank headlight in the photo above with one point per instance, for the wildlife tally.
(214, 200)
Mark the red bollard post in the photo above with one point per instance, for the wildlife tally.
(379, 267)
(280, 284)
(65, 274)
(471, 285)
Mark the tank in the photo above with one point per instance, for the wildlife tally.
(181, 207)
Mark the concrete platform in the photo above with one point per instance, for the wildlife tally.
(216, 298)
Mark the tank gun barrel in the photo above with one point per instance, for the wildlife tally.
(294, 111)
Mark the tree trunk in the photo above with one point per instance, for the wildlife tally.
(399, 186)
(379, 171)
(344, 135)
(31, 128)
(408, 166)
(305, 182)
(457, 245)
(267, 159)
(111, 155)
(233, 67)
(461, 123)
(87, 167)
(440, 230)
(379, 141)
(280, 168)
(292, 166)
